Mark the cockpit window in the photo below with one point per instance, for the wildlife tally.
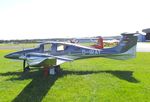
(47, 47)
(60, 47)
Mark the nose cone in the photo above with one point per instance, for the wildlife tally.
(6, 56)
(12, 56)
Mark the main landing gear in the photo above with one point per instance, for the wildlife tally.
(25, 69)
(57, 69)
(53, 70)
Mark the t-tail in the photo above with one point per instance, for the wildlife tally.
(126, 49)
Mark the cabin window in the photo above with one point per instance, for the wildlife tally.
(47, 47)
(60, 47)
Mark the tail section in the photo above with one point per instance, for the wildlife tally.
(126, 49)
(127, 42)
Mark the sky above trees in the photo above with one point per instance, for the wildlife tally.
(27, 19)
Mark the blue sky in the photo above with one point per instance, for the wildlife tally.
(27, 19)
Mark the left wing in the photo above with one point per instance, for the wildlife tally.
(38, 59)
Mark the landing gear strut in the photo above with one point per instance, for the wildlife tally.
(25, 69)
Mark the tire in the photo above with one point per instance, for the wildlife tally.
(57, 69)
(27, 69)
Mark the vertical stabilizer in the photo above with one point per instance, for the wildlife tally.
(126, 48)
(127, 42)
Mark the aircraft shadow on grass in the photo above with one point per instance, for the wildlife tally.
(36, 90)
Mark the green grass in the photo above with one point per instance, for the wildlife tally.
(87, 44)
(89, 80)
(17, 46)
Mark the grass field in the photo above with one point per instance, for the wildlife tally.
(17, 46)
(89, 80)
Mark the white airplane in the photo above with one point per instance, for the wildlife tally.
(53, 54)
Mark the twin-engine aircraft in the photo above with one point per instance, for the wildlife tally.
(53, 54)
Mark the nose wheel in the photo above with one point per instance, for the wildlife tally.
(25, 69)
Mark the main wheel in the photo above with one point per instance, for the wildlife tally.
(57, 69)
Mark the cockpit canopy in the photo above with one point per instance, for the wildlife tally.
(52, 48)
(59, 48)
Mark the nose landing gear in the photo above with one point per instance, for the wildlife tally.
(25, 69)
